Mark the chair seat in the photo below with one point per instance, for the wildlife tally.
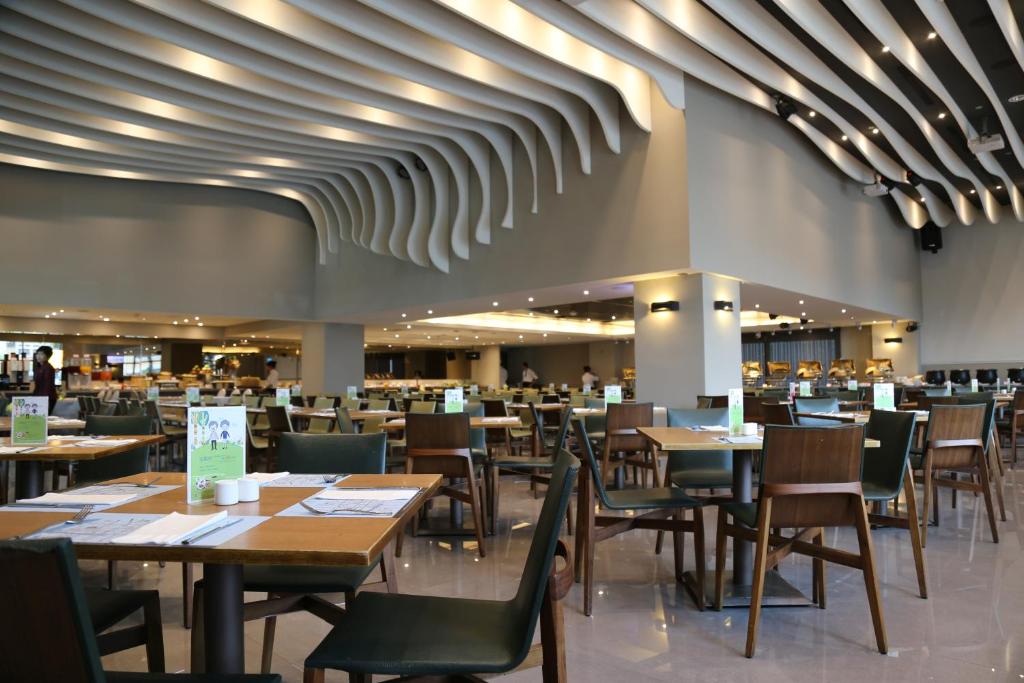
(174, 432)
(396, 634)
(702, 479)
(742, 512)
(878, 492)
(132, 677)
(644, 499)
(107, 608)
(260, 442)
(299, 579)
(514, 463)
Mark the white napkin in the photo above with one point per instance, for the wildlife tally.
(714, 428)
(367, 494)
(499, 419)
(170, 529)
(264, 477)
(77, 499)
(105, 443)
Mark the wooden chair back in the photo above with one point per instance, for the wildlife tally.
(437, 444)
(813, 475)
(926, 402)
(712, 401)
(777, 414)
(621, 423)
(277, 417)
(494, 408)
(954, 432)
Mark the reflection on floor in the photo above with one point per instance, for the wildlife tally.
(644, 627)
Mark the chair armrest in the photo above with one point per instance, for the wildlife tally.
(560, 581)
(775, 490)
(955, 443)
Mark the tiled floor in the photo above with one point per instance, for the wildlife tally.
(644, 627)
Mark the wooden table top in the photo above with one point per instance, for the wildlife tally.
(52, 424)
(278, 540)
(685, 439)
(474, 423)
(56, 449)
(858, 416)
(541, 407)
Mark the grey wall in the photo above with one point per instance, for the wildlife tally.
(72, 240)
(972, 297)
(628, 217)
(766, 206)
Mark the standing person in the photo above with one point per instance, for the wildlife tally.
(272, 376)
(45, 376)
(529, 376)
(502, 377)
(589, 378)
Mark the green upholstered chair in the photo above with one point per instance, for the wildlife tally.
(307, 454)
(59, 643)
(699, 469)
(321, 425)
(343, 424)
(352, 403)
(595, 424)
(654, 508)
(418, 635)
(123, 464)
(935, 392)
(886, 474)
(423, 406)
(816, 405)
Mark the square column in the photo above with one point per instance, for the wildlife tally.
(332, 358)
(695, 350)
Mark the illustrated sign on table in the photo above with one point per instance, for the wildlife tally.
(453, 400)
(949, 389)
(215, 449)
(282, 397)
(192, 394)
(351, 392)
(474, 389)
(612, 394)
(885, 398)
(974, 385)
(735, 411)
(153, 393)
(586, 389)
(851, 385)
(296, 390)
(28, 420)
(805, 388)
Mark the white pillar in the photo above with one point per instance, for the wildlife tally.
(695, 350)
(332, 358)
(485, 372)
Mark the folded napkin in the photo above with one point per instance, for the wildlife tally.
(171, 529)
(264, 477)
(77, 499)
(714, 428)
(367, 494)
(500, 419)
(104, 443)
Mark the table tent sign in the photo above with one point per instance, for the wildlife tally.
(586, 389)
(885, 397)
(351, 392)
(28, 420)
(805, 389)
(296, 390)
(282, 397)
(974, 385)
(453, 400)
(949, 389)
(474, 389)
(735, 411)
(215, 449)
(192, 395)
(565, 387)
(612, 394)
(153, 393)
(851, 385)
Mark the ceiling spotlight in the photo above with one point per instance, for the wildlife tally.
(942, 114)
(62, 310)
(801, 302)
(757, 305)
(385, 329)
(555, 311)
(773, 316)
(885, 48)
(428, 336)
(545, 334)
(586, 292)
(456, 339)
(408, 327)
(106, 320)
(200, 324)
(403, 315)
(47, 315)
(494, 303)
(197, 317)
(812, 113)
(999, 187)
(932, 35)
(396, 336)
(874, 131)
(430, 311)
(973, 191)
(784, 106)
(613, 317)
(803, 314)
(530, 299)
(175, 322)
(843, 311)
(520, 336)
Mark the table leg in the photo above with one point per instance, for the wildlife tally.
(223, 618)
(455, 508)
(28, 479)
(742, 491)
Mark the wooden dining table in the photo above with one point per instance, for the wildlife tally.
(53, 424)
(277, 540)
(511, 422)
(28, 464)
(777, 591)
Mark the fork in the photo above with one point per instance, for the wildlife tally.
(318, 511)
(80, 515)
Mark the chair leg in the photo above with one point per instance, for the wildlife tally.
(187, 587)
(986, 491)
(586, 533)
(494, 475)
(915, 530)
(475, 503)
(198, 636)
(154, 636)
(720, 559)
(313, 676)
(388, 571)
(927, 486)
(678, 546)
(867, 557)
(760, 566)
(659, 542)
(698, 556)
(269, 629)
(819, 569)
(111, 573)
(997, 480)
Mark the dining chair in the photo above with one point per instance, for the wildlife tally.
(352, 403)
(778, 414)
(651, 508)
(497, 437)
(291, 588)
(699, 469)
(712, 401)
(440, 444)
(624, 446)
(379, 404)
(174, 434)
(343, 423)
(61, 643)
(815, 405)
(953, 445)
(258, 445)
(279, 422)
(424, 635)
(886, 473)
(595, 424)
(321, 425)
(1013, 424)
(422, 407)
(988, 437)
(810, 479)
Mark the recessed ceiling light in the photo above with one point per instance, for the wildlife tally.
(530, 299)
(812, 113)
(494, 303)
(430, 311)
(408, 327)
(555, 311)
(874, 131)
(456, 339)
(973, 191)
(588, 320)
(47, 315)
(531, 314)
(885, 48)
(1014, 99)
(586, 292)
(197, 317)
(942, 114)
(999, 187)
(613, 318)
(175, 322)
(932, 35)
(801, 302)
(106, 320)
(476, 336)
(923, 198)
(520, 336)
(62, 310)
(843, 311)
(403, 315)
(757, 305)
(385, 329)
(200, 324)
(844, 138)
(396, 336)
(803, 314)
(428, 336)
(545, 334)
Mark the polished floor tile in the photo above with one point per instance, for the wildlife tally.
(645, 628)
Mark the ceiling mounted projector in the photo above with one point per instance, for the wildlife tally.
(985, 143)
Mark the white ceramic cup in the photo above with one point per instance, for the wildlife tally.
(248, 490)
(225, 492)
(749, 429)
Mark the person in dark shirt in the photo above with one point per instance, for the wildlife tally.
(44, 383)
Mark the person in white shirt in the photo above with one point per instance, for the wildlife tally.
(589, 378)
(529, 376)
(272, 376)
(502, 376)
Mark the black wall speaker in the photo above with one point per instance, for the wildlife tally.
(931, 237)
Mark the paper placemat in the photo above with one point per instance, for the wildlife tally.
(102, 527)
(305, 480)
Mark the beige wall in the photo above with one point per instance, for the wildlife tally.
(906, 360)
(458, 368)
(856, 344)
